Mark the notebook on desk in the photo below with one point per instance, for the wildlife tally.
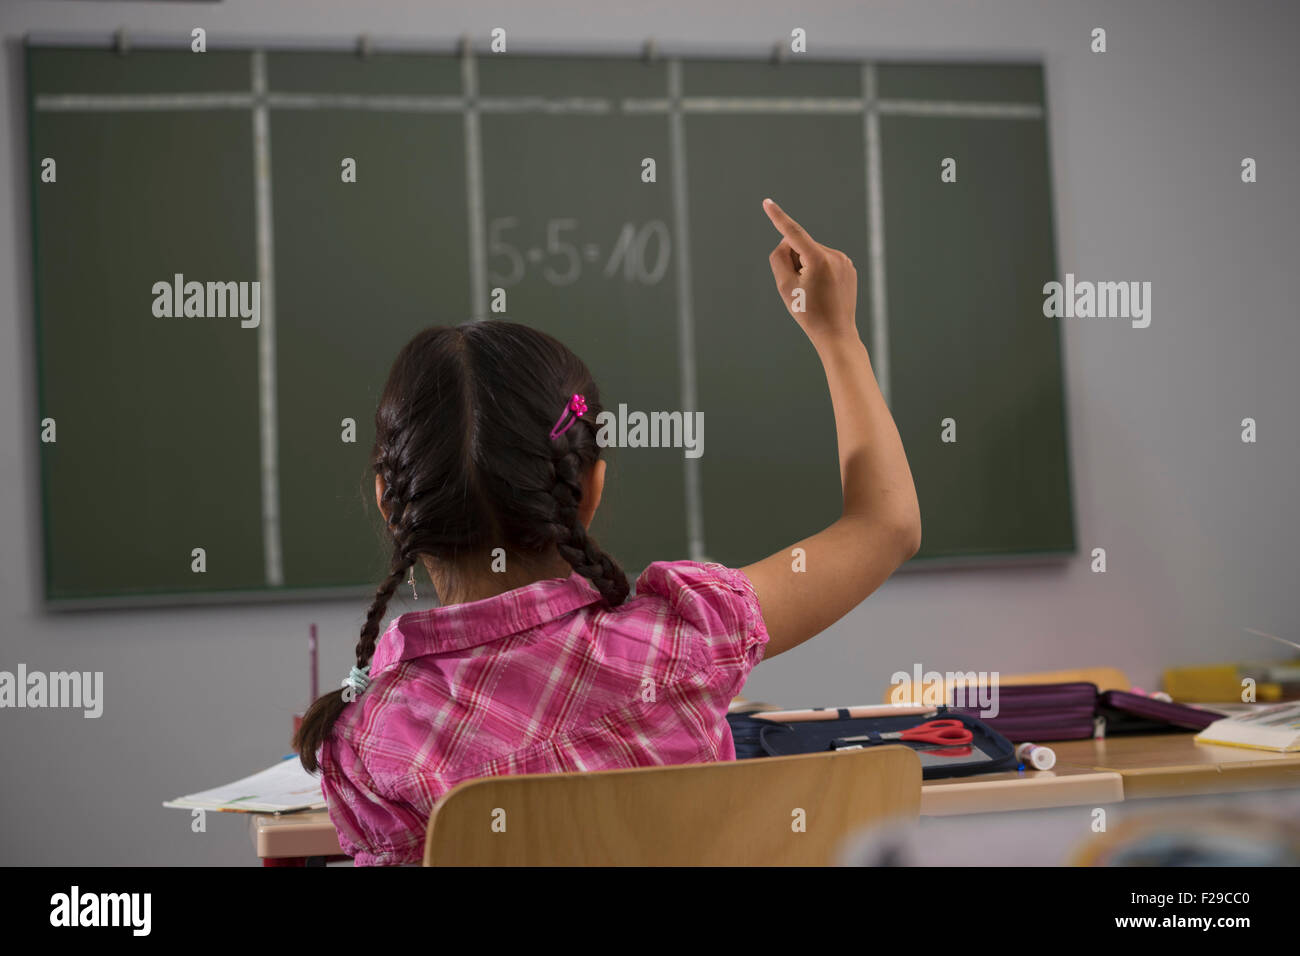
(1272, 727)
(283, 788)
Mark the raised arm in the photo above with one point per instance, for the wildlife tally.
(880, 527)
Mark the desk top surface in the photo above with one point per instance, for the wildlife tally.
(1167, 765)
(1163, 752)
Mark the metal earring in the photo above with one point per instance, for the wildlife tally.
(410, 579)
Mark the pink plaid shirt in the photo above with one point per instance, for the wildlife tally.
(541, 679)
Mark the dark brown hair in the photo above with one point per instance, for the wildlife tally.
(462, 442)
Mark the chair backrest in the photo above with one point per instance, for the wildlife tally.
(1106, 678)
(796, 810)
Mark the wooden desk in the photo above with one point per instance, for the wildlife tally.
(294, 835)
(1168, 765)
(1062, 786)
(301, 835)
(1087, 773)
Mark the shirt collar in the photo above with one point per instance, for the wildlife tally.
(460, 626)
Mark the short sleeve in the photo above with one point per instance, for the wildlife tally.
(375, 826)
(717, 602)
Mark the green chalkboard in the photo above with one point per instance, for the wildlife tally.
(613, 202)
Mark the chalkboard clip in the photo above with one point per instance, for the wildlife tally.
(121, 45)
(778, 54)
(650, 52)
(365, 46)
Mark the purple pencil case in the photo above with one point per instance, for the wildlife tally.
(1039, 712)
(1076, 711)
(1129, 713)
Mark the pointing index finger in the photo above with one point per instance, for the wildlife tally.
(793, 232)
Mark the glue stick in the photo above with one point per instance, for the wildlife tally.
(1036, 756)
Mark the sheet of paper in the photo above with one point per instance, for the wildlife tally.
(284, 786)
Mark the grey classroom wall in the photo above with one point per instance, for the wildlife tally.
(1200, 530)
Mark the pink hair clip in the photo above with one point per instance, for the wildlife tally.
(578, 407)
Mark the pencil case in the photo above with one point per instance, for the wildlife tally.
(1076, 711)
(1037, 712)
(1124, 712)
(988, 750)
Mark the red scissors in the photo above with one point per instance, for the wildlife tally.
(945, 733)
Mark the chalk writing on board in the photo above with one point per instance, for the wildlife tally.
(640, 252)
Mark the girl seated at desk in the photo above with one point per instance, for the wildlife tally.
(488, 473)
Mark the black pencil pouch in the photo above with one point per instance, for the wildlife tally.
(988, 750)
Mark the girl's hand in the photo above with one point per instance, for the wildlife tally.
(826, 308)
